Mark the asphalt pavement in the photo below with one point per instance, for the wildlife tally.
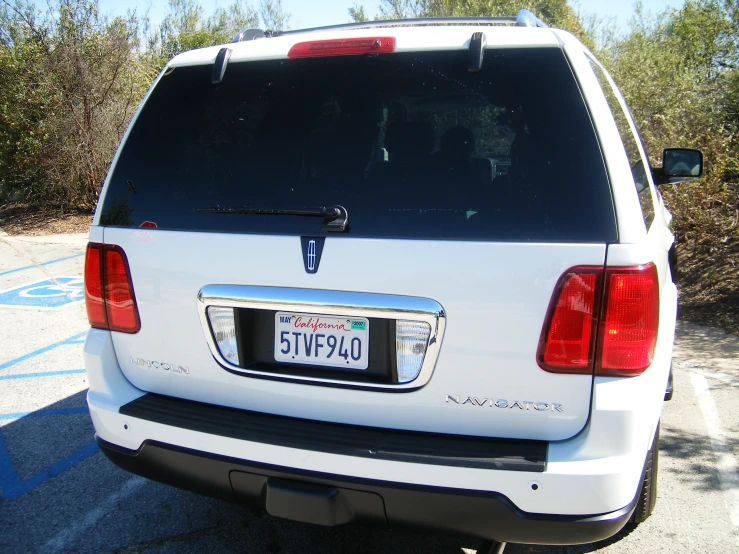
(58, 493)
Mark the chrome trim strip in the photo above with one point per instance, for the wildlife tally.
(328, 302)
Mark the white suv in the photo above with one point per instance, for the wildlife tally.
(410, 273)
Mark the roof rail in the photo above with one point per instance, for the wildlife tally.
(524, 19)
(251, 34)
(419, 21)
(527, 19)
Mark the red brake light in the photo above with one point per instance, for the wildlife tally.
(566, 341)
(123, 315)
(94, 287)
(628, 334)
(109, 291)
(342, 47)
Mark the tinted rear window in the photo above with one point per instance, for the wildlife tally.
(413, 145)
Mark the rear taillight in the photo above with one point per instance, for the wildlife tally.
(109, 293)
(627, 323)
(566, 344)
(628, 333)
(94, 287)
(342, 47)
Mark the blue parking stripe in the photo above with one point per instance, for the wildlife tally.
(70, 340)
(8, 272)
(43, 413)
(11, 486)
(41, 374)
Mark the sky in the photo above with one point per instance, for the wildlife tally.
(330, 12)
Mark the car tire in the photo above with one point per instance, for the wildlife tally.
(670, 387)
(648, 491)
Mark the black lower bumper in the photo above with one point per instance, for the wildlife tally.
(334, 500)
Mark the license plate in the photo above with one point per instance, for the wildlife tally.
(312, 339)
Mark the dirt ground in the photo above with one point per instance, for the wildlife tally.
(30, 221)
(708, 280)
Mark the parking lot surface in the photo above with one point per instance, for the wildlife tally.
(58, 493)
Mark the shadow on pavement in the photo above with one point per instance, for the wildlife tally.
(691, 448)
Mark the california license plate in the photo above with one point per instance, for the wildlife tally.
(312, 339)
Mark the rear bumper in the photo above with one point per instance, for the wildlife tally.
(327, 499)
(596, 472)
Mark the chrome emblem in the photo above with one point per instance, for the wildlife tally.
(311, 255)
(504, 404)
(153, 364)
(312, 249)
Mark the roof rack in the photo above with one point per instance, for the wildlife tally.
(527, 19)
(250, 34)
(524, 19)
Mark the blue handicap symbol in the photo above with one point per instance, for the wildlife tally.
(49, 294)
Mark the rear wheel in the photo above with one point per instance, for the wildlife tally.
(670, 388)
(648, 492)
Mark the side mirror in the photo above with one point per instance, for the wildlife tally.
(682, 162)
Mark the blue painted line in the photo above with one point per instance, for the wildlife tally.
(43, 350)
(41, 374)
(42, 413)
(11, 486)
(8, 272)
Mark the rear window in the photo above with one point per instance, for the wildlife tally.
(413, 145)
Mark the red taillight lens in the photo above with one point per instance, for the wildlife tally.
(342, 47)
(629, 321)
(123, 315)
(628, 334)
(94, 287)
(565, 345)
(109, 291)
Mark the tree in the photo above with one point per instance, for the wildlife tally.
(23, 102)
(557, 13)
(358, 14)
(674, 71)
(678, 72)
(70, 83)
(185, 27)
(273, 16)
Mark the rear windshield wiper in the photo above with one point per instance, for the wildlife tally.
(335, 218)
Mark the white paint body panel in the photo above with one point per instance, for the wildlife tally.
(495, 296)
(495, 311)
